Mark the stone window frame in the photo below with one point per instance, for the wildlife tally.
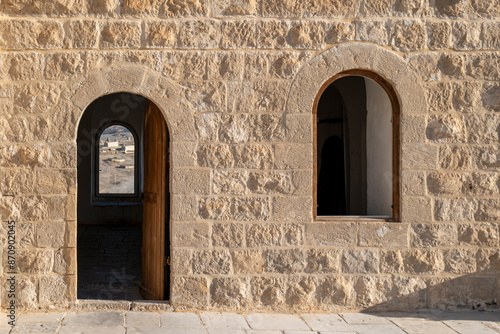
(396, 139)
(408, 87)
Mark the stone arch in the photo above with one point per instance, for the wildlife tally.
(317, 73)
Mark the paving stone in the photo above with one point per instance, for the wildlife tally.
(163, 330)
(92, 319)
(263, 332)
(181, 320)
(4, 330)
(226, 331)
(92, 330)
(276, 321)
(224, 320)
(377, 329)
(142, 319)
(326, 322)
(421, 326)
(29, 328)
(299, 332)
(39, 317)
(466, 327)
(364, 319)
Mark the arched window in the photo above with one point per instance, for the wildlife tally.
(357, 158)
(116, 161)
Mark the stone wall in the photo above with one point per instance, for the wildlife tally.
(236, 82)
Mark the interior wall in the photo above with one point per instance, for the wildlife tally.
(378, 150)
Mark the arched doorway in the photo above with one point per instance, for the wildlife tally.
(123, 200)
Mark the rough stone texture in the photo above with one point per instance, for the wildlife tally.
(360, 261)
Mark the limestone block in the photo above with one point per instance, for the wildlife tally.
(17, 69)
(475, 184)
(322, 261)
(270, 182)
(423, 261)
(25, 235)
(413, 183)
(183, 207)
(454, 157)
(425, 65)
(487, 157)
(26, 292)
(162, 34)
(103, 8)
(235, 8)
(52, 290)
(190, 181)
(336, 234)
(453, 66)
(26, 128)
(256, 65)
(433, 235)
(439, 35)
(488, 210)
(181, 261)
(373, 30)
(293, 156)
(35, 261)
(410, 292)
(491, 97)
(215, 156)
(373, 291)
(247, 261)
(454, 209)
(439, 97)
(22, 34)
(416, 209)
(65, 261)
(412, 8)
(270, 96)
(483, 8)
(140, 8)
(250, 209)
(225, 66)
(16, 181)
(467, 35)
(182, 8)
(285, 65)
(445, 183)
(35, 98)
(460, 261)
(391, 262)
(288, 261)
(196, 34)
(329, 9)
(488, 260)
(306, 35)
(267, 128)
(336, 290)
(292, 209)
(63, 66)
(82, 34)
(190, 291)
(228, 292)
(446, 291)
(227, 235)
(454, 8)
(364, 261)
(272, 34)
(119, 34)
(383, 234)
(183, 154)
(268, 292)
(378, 8)
(419, 156)
(190, 234)
(481, 289)
(235, 128)
(50, 234)
(298, 128)
(238, 35)
(483, 128)
(215, 208)
(229, 182)
(301, 291)
(206, 96)
(484, 66)
(339, 32)
(293, 234)
(217, 262)
(184, 65)
(408, 35)
(286, 8)
(10, 208)
(253, 156)
(264, 234)
(55, 182)
(478, 234)
(55, 8)
(467, 95)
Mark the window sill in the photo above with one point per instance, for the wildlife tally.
(116, 203)
(355, 219)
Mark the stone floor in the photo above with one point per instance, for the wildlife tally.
(112, 322)
(109, 262)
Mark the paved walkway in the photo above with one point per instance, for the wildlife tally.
(474, 322)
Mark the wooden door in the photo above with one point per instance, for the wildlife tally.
(153, 224)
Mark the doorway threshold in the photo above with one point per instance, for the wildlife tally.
(124, 305)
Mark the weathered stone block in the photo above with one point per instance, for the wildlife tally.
(235, 128)
(454, 209)
(225, 65)
(339, 32)
(268, 292)
(322, 261)
(467, 35)
(439, 35)
(453, 66)
(445, 183)
(408, 35)
(378, 8)
(453, 8)
(445, 291)
(256, 65)
(336, 290)
(336, 234)
(267, 128)
(238, 35)
(181, 260)
(376, 31)
(373, 290)
(419, 156)
(184, 65)
(286, 8)
(391, 262)
(190, 234)
(446, 128)
(488, 260)
(217, 262)
(176, 8)
(61, 66)
(433, 235)
(288, 261)
(229, 182)
(480, 184)
(196, 34)
(483, 128)
(285, 65)
(265, 234)
(483, 8)
(329, 9)
(293, 156)
(423, 261)
(23, 34)
(65, 261)
(215, 156)
(184, 207)
(253, 156)
(82, 34)
(293, 234)
(364, 261)
(416, 209)
(215, 208)
(17, 69)
(487, 157)
(460, 261)
(190, 291)
(270, 183)
(488, 210)
(240, 97)
(183, 154)
(491, 97)
(162, 34)
(292, 209)
(306, 35)
(301, 291)
(250, 209)
(383, 235)
(34, 261)
(50, 234)
(55, 182)
(484, 66)
(53, 290)
(466, 96)
(103, 8)
(454, 157)
(190, 181)
(16, 181)
(25, 235)
(248, 262)
(270, 96)
(120, 34)
(230, 293)
(413, 183)
(272, 34)
(227, 235)
(206, 96)
(410, 292)
(235, 8)
(478, 234)
(140, 8)
(439, 97)
(413, 129)
(425, 65)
